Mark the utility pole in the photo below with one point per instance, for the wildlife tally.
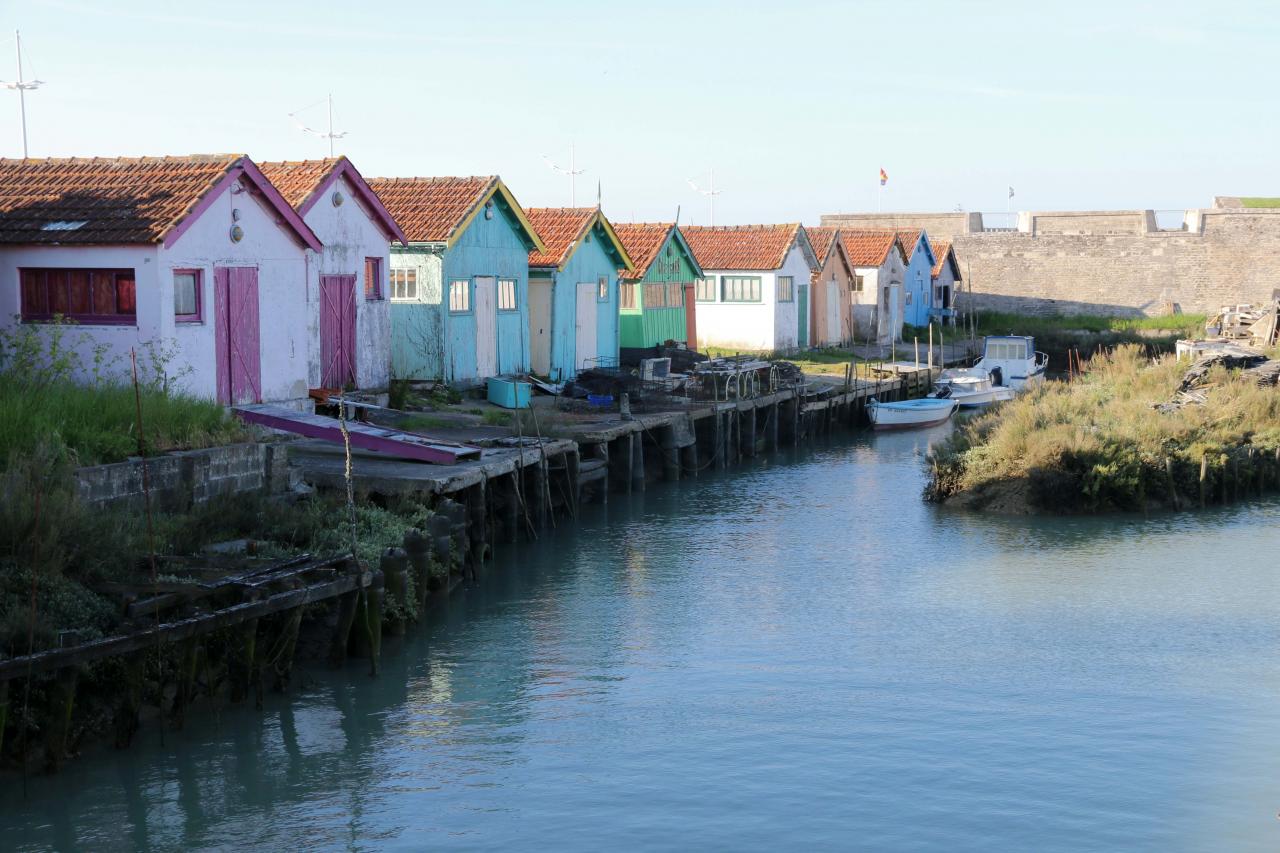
(710, 193)
(573, 173)
(21, 86)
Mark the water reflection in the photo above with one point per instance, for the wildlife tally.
(803, 654)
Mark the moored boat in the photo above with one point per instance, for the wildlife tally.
(905, 414)
(1012, 361)
(970, 387)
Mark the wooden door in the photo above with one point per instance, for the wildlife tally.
(236, 335)
(585, 346)
(833, 313)
(337, 331)
(802, 316)
(486, 327)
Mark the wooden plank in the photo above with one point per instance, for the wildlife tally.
(367, 436)
(180, 630)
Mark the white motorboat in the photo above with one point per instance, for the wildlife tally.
(970, 387)
(904, 414)
(1012, 361)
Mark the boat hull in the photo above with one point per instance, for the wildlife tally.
(910, 414)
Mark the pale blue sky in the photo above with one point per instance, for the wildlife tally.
(795, 105)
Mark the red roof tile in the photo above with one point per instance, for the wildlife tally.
(822, 238)
(104, 200)
(642, 240)
(560, 228)
(430, 210)
(909, 240)
(867, 247)
(944, 252)
(741, 247)
(303, 182)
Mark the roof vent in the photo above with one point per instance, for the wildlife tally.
(63, 225)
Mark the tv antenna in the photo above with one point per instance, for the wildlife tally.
(572, 172)
(331, 135)
(21, 86)
(710, 193)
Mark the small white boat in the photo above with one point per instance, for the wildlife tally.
(904, 414)
(1012, 361)
(970, 387)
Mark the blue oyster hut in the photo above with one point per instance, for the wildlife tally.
(573, 291)
(459, 289)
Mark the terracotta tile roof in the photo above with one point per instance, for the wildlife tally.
(104, 200)
(741, 247)
(304, 182)
(642, 241)
(297, 179)
(943, 252)
(430, 210)
(909, 240)
(867, 247)
(559, 228)
(822, 238)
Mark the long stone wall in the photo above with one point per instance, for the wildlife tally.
(1106, 262)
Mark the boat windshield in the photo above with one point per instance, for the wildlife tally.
(1014, 350)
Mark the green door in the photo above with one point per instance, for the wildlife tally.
(802, 317)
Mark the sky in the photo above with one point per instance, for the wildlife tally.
(796, 106)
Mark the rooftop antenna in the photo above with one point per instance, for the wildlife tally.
(710, 193)
(677, 214)
(572, 172)
(330, 135)
(22, 86)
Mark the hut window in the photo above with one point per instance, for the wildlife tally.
(372, 279)
(739, 288)
(459, 296)
(91, 297)
(506, 294)
(655, 296)
(675, 295)
(186, 296)
(404, 285)
(856, 287)
(627, 294)
(602, 289)
(705, 290)
(786, 288)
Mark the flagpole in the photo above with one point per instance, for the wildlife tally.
(880, 198)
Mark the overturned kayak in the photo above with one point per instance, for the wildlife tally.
(905, 414)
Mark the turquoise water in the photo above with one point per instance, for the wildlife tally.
(801, 655)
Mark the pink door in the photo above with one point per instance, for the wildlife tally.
(337, 331)
(236, 338)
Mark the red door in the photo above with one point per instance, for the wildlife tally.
(691, 315)
(337, 331)
(236, 337)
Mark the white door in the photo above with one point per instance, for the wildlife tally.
(833, 313)
(585, 332)
(486, 327)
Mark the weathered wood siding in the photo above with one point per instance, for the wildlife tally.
(417, 328)
(588, 262)
(917, 283)
(645, 327)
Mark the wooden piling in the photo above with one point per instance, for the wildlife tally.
(637, 462)
(184, 695)
(348, 604)
(394, 564)
(1169, 482)
(749, 434)
(129, 709)
(62, 699)
(1204, 476)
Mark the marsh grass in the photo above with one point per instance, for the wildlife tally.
(1099, 444)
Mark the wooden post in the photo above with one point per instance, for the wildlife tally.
(775, 412)
(127, 713)
(637, 462)
(1204, 476)
(418, 551)
(749, 439)
(670, 453)
(573, 487)
(4, 711)
(191, 651)
(916, 340)
(1169, 482)
(394, 563)
(62, 695)
(348, 603)
(369, 621)
(931, 346)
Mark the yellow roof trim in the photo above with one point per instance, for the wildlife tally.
(495, 188)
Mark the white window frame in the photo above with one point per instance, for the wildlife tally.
(403, 284)
(790, 283)
(706, 284)
(737, 283)
(507, 295)
(460, 296)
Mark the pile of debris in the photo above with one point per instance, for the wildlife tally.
(1251, 363)
(1245, 322)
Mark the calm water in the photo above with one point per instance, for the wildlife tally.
(799, 656)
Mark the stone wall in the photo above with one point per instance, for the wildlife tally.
(188, 478)
(1106, 262)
